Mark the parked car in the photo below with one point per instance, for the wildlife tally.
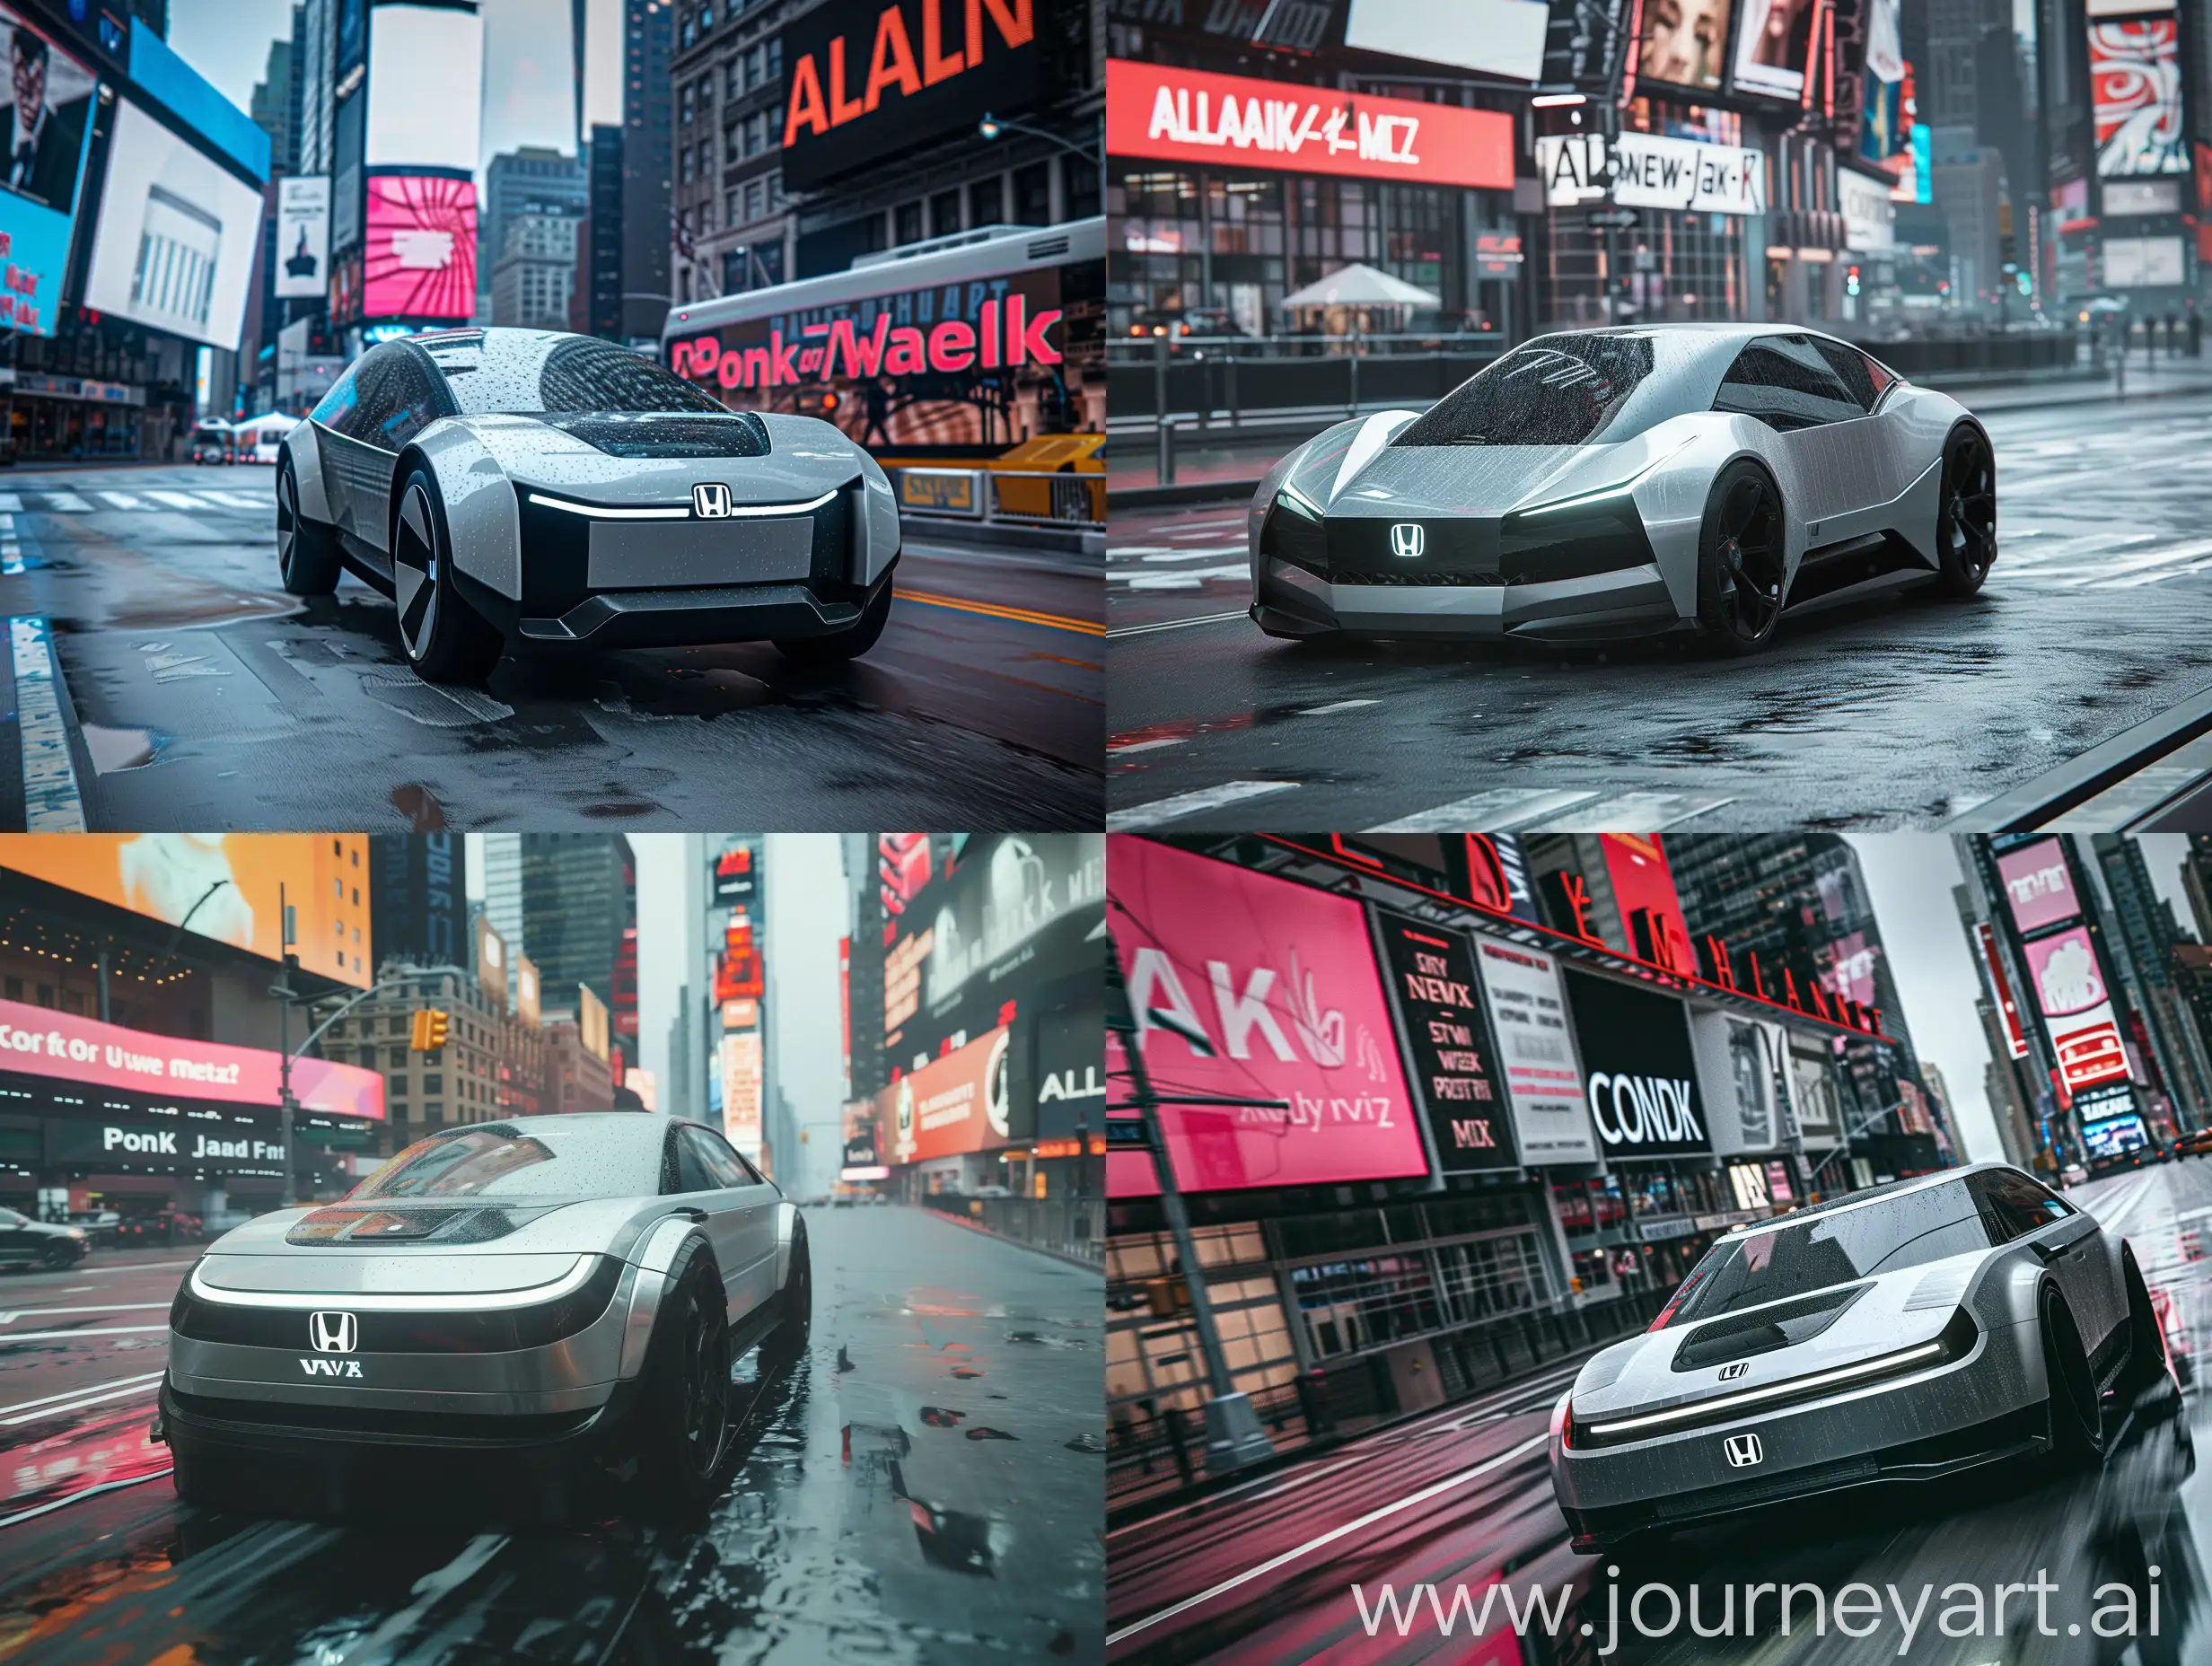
(214, 443)
(26, 1242)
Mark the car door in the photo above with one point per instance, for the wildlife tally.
(2063, 1238)
(745, 1210)
(397, 392)
(1826, 439)
(16, 1236)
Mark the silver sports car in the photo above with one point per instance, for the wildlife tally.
(1903, 1333)
(527, 486)
(1625, 482)
(563, 1293)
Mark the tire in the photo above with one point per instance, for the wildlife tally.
(1742, 551)
(2146, 1339)
(58, 1258)
(787, 1342)
(848, 644)
(2076, 1411)
(307, 559)
(1966, 517)
(683, 1414)
(446, 640)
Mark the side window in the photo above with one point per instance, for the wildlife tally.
(2012, 1207)
(692, 1174)
(1784, 382)
(337, 405)
(721, 1162)
(1856, 371)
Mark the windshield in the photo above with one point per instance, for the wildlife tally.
(508, 1160)
(564, 374)
(1554, 390)
(1795, 1259)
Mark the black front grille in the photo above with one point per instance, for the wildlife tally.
(1455, 550)
(246, 1417)
(1606, 536)
(1788, 1484)
(499, 1330)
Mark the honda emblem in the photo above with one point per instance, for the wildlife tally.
(333, 1333)
(711, 501)
(1408, 540)
(1744, 1450)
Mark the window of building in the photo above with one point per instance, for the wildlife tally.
(396, 1057)
(754, 196)
(688, 100)
(986, 201)
(434, 1083)
(906, 223)
(945, 212)
(775, 57)
(1032, 194)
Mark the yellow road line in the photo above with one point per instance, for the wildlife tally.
(1019, 614)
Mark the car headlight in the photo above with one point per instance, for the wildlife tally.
(1291, 498)
(75, 1231)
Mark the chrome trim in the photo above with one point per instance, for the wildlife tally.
(1715, 1409)
(742, 512)
(654, 1257)
(374, 1302)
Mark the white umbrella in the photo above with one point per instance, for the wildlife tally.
(1358, 285)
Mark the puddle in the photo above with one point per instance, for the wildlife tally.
(983, 1431)
(421, 808)
(956, 1539)
(1085, 1443)
(938, 1417)
(115, 751)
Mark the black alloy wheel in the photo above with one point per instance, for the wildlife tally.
(788, 1340)
(2076, 1409)
(307, 563)
(1966, 522)
(704, 1395)
(445, 638)
(1740, 561)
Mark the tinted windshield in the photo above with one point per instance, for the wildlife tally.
(1554, 390)
(1795, 1259)
(564, 374)
(514, 1160)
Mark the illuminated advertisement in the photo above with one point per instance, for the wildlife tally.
(2141, 262)
(2063, 970)
(868, 79)
(227, 884)
(2039, 886)
(742, 1077)
(303, 236)
(1536, 1052)
(491, 963)
(1650, 171)
(176, 242)
(426, 87)
(591, 1023)
(37, 1041)
(1685, 43)
(1247, 987)
(2114, 1136)
(2134, 78)
(48, 102)
(1643, 895)
(1455, 1076)
(1493, 37)
(1641, 1073)
(1239, 124)
(1847, 967)
(952, 1105)
(1775, 48)
(1741, 1067)
(2203, 197)
(419, 258)
(526, 1005)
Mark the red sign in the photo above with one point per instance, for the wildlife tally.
(2015, 1038)
(1281, 982)
(1239, 123)
(37, 1042)
(1643, 895)
(951, 1105)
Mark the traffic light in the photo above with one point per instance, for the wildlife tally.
(430, 1028)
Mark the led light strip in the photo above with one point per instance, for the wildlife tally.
(303, 1302)
(745, 512)
(1706, 1411)
(1582, 500)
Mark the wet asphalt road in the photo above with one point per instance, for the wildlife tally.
(199, 696)
(1490, 1518)
(1894, 712)
(907, 1493)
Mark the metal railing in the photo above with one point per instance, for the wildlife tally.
(1002, 496)
(1072, 1226)
(1212, 380)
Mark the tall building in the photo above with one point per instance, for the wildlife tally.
(2146, 937)
(648, 157)
(503, 894)
(314, 57)
(579, 894)
(275, 104)
(418, 902)
(2196, 884)
(595, 296)
(534, 198)
(734, 225)
(2005, 1085)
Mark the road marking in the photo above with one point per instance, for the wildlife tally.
(69, 502)
(1204, 619)
(1021, 616)
(11, 501)
(1635, 812)
(1493, 812)
(54, 1405)
(1190, 804)
(1434, 1489)
(1336, 705)
(51, 800)
(243, 500)
(122, 500)
(83, 1493)
(1192, 579)
(128, 1266)
(1145, 745)
(177, 500)
(71, 1335)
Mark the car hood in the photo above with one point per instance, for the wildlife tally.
(1879, 1315)
(542, 1245)
(1353, 470)
(558, 454)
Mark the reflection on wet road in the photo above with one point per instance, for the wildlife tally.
(1462, 1497)
(924, 1485)
(1899, 712)
(153, 644)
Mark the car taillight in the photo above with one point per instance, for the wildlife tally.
(1563, 1421)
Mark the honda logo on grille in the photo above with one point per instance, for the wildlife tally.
(1730, 1372)
(1409, 539)
(711, 501)
(333, 1333)
(1744, 1450)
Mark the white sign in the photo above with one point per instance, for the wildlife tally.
(1869, 215)
(1646, 170)
(1494, 36)
(1574, 167)
(303, 236)
(2142, 196)
(2142, 262)
(1536, 1052)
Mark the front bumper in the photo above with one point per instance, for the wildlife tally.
(677, 619)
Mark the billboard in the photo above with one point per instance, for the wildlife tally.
(420, 900)
(418, 257)
(1455, 1076)
(37, 1041)
(868, 79)
(1491, 37)
(177, 236)
(1685, 43)
(1743, 1066)
(954, 1105)
(526, 1004)
(2134, 79)
(303, 236)
(1536, 1052)
(1239, 124)
(1775, 47)
(1642, 1075)
(226, 883)
(1281, 982)
(1650, 171)
(743, 1073)
(2038, 885)
(49, 102)
(2142, 262)
(426, 87)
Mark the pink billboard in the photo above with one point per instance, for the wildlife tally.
(2037, 886)
(419, 257)
(37, 1042)
(1281, 983)
(2063, 970)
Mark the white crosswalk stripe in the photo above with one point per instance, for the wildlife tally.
(1182, 804)
(67, 502)
(244, 500)
(1498, 811)
(177, 500)
(121, 500)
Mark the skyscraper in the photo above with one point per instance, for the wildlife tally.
(648, 157)
(2145, 937)
(579, 894)
(503, 894)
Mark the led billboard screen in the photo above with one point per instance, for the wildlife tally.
(49, 103)
(418, 258)
(1685, 43)
(2134, 76)
(1494, 36)
(177, 235)
(303, 236)
(426, 87)
(954, 1105)
(1774, 48)
(1642, 1075)
(1455, 1070)
(2039, 886)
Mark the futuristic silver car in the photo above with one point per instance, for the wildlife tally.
(564, 1293)
(1626, 482)
(1903, 1333)
(528, 487)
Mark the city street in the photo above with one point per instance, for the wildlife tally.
(1904, 711)
(196, 695)
(922, 1486)
(1462, 1495)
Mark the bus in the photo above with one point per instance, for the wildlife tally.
(951, 360)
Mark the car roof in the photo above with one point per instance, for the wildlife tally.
(1873, 1194)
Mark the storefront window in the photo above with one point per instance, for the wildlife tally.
(1351, 1305)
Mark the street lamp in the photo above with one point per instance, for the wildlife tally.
(991, 126)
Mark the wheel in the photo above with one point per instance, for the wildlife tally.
(683, 1414)
(2076, 1411)
(1966, 520)
(848, 644)
(788, 1340)
(306, 550)
(446, 640)
(1740, 560)
(57, 1258)
(2146, 1339)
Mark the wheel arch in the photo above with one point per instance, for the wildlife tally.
(301, 450)
(483, 517)
(652, 1280)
